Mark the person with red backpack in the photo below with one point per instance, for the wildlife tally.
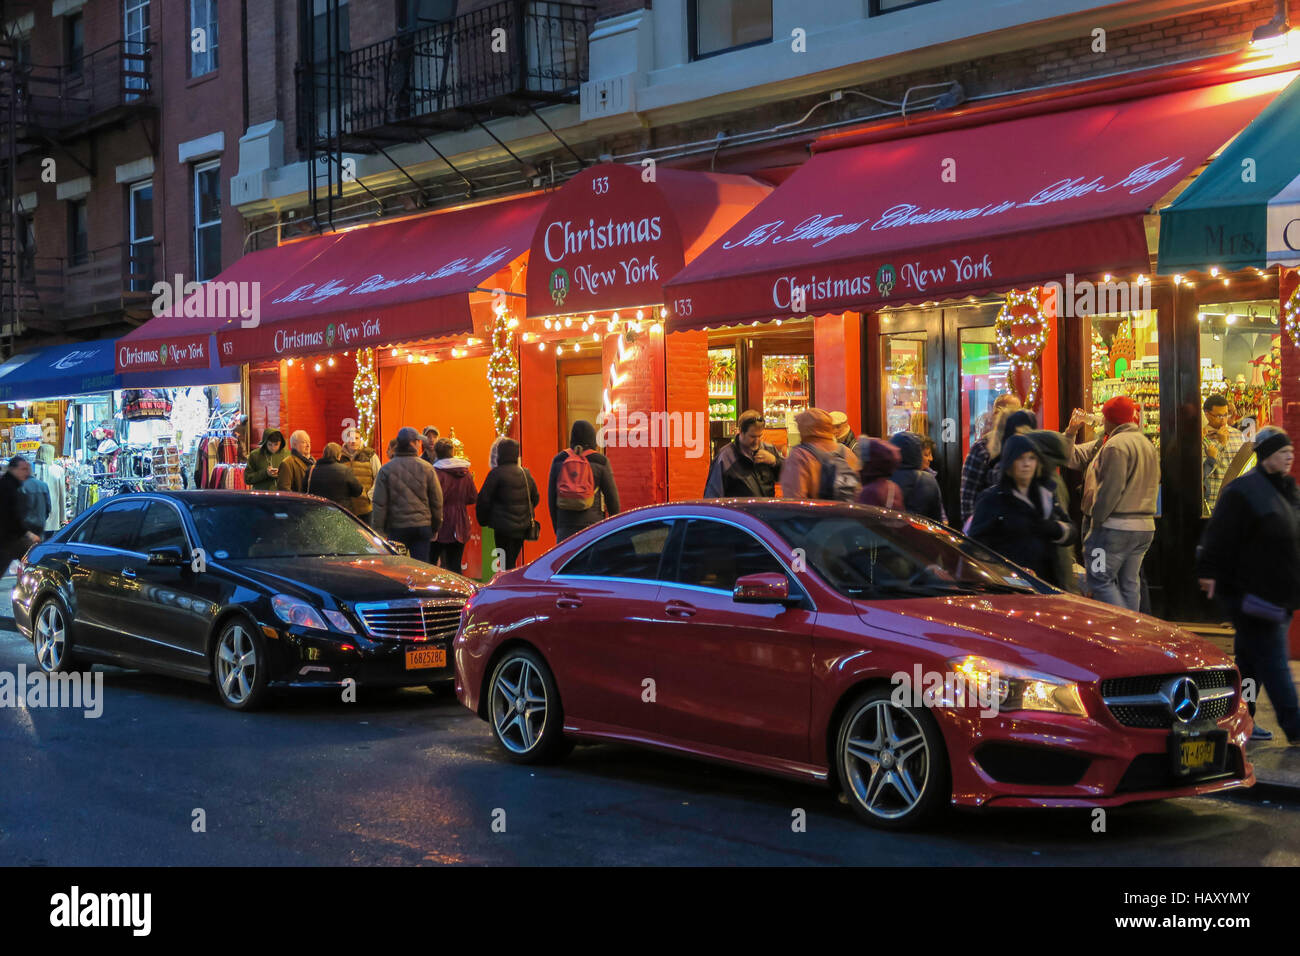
(581, 489)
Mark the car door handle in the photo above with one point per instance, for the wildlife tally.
(128, 572)
(679, 609)
(568, 602)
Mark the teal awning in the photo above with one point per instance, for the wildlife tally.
(1243, 211)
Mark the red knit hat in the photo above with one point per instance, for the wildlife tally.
(1120, 410)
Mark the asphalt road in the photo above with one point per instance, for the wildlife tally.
(404, 777)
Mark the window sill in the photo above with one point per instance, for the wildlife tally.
(205, 78)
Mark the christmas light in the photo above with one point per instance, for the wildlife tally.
(365, 395)
(1012, 314)
(1215, 272)
(394, 353)
(290, 363)
(1178, 279)
(1291, 312)
(331, 363)
(503, 374)
(547, 323)
(410, 357)
(541, 346)
(318, 366)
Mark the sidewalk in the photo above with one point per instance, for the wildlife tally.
(1276, 763)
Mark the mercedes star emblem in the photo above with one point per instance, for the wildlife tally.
(1183, 698)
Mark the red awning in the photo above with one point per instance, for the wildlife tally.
(612, 235)
(387, 283)
(182, 336)
(965, 211)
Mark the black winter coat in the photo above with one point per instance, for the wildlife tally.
(921, 494)
(335, 481)
(1027, 534)
(1252, 544)
(506, 501)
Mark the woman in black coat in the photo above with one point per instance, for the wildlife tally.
(507, 500)
(1020, 517)
(333, 478)
(605, 503)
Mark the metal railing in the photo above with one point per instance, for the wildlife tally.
(515, 50)
(101, 280)
(59, 98)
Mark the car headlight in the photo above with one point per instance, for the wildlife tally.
(292, 611)
(340, 622)
(1015, 688)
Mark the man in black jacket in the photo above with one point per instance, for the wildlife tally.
(921, 495)
(15, 536)
(1250, 560)
(747, 466)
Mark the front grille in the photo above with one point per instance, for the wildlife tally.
(414, 619)
(1154, 772)
(1124, 697)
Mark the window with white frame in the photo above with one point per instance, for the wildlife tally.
(207, 220)
(140, 236)
(203, 37)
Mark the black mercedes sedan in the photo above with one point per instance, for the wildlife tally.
(249, 590)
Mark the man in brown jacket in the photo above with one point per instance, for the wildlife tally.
(408, 497)
(1119, 504)
(801, 475)
(295, 470)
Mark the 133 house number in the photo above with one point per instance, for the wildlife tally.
(682, 306)
(600, 185)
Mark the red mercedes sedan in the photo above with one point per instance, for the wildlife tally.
(875, 651)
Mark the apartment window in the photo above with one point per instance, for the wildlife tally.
(327, 39)
(203, 16)
(417, 14)
(721, 25)
(876, 7)
(74, 41)
(135, 33)
(207, 220)
(140, 236)
(78, 233)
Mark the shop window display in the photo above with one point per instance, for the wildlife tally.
(1241, 349)
(906, 407)
(787, 389)
(984, 373)
(1126, 361)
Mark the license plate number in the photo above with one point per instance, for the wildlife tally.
(1201, 750)
(423, 657)
(1196, 754)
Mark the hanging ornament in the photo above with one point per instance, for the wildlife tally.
(503, 374)
(1291, 314)
(1020, 311)
(365, 394)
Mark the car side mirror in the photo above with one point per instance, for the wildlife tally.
(762, 589)
(171, 556)
(399, 547)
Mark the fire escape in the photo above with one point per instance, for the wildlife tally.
(47, 113)
(509, 58)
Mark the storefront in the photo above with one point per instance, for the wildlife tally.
(1230, 244)
(1032, 274)
(391, 325)
(92, 432)
(595, 336)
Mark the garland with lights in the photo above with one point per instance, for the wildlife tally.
(1291, 314)
(365, 393)
(1021, 309)
(503, 374)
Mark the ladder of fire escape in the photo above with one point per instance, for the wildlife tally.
(324, 95)
(9, 267)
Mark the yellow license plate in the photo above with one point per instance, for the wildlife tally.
(1196, 754)
(426, 657)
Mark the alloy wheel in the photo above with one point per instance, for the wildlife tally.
(236, 664)
(519, 705)
(886, 760)
(51, 638)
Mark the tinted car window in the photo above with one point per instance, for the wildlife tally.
(873, 556)
(117, 524)
(84, 530)
(714, 555)
(161, 528)
(632, 552)
(271, 527)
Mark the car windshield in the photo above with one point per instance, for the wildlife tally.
(876, 556)
(275, 527)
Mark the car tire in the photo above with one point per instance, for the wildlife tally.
(52, 638)
(891, 762)
(239, 648)
(523, 708)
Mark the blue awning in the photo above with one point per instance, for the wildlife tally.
(64, 371)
